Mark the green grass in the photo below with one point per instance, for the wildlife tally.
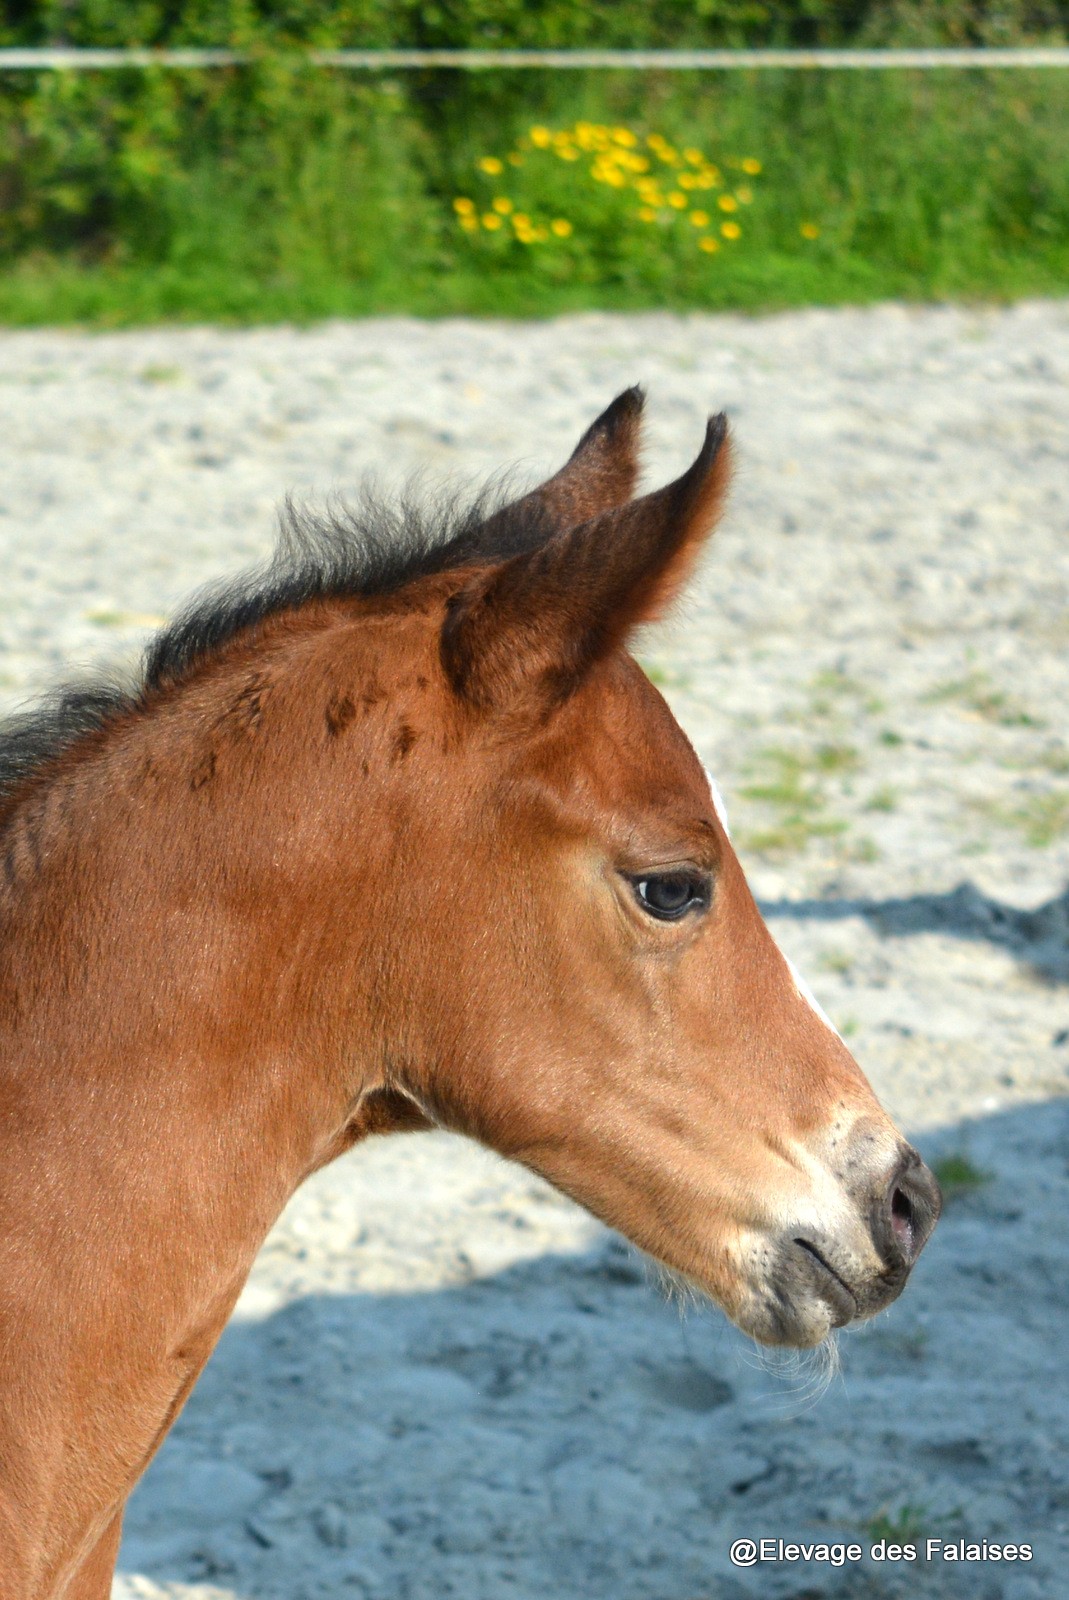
(47, 290)
(791, 836)
(792, 784)
(907, 1525)
(835, 758)
(322, 196)
(885, 798)
(161, 372)
(1054, 759)
(977, 694)
(835, 692)
(862, 848)
(958, 1175)
(1041, 819)
(665, 677)
(909, 1344)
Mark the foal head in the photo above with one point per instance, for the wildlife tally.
(439, 853)
(569, 964)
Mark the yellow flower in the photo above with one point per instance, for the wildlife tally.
(647, 214)
(809, 230)
(561, 227)
(491, 220)
(491, 165)
(708, 244)
(687, 180)
(521, 222)
(695, 157)
(730, 230)
(463, 207)
(625, 137)
(639, 164)
(502, 205)
(751, 166)
(568, 153)
(541, 137)
(727, 202)
(744, 195)
(678, 200)
(469, 224)
(700, 219)
(665, 153)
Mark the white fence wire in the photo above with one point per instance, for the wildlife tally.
(76, 60)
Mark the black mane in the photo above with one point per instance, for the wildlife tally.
(366, 548)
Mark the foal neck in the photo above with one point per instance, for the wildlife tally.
(170, 966)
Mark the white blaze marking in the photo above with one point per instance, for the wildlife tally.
(810, 998)
(718, 802)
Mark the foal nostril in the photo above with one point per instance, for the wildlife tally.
(902, 1220)
(912, 1208)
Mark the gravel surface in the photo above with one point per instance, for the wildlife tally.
(443, 1379)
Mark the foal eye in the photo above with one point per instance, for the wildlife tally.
(670, 895)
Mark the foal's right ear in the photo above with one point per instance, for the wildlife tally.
(600, 474)
(522, 633)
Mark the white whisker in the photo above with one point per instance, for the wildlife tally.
(675, 1287)
(803, 1376)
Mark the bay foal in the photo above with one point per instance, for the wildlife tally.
(396, 836)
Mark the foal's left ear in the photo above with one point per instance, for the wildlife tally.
(522, 634)
(600, 473)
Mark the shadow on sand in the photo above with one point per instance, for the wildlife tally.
(1039, 937)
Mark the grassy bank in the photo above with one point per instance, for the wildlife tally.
(277, 194)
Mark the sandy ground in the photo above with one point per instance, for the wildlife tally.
(444, 1380)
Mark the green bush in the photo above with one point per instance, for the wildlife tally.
(532, 24)
(280, 189)
(269, 165)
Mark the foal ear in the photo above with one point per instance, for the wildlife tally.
(528, 629)
(600, 473)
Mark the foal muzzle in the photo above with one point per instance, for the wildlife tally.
(825, 1279)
